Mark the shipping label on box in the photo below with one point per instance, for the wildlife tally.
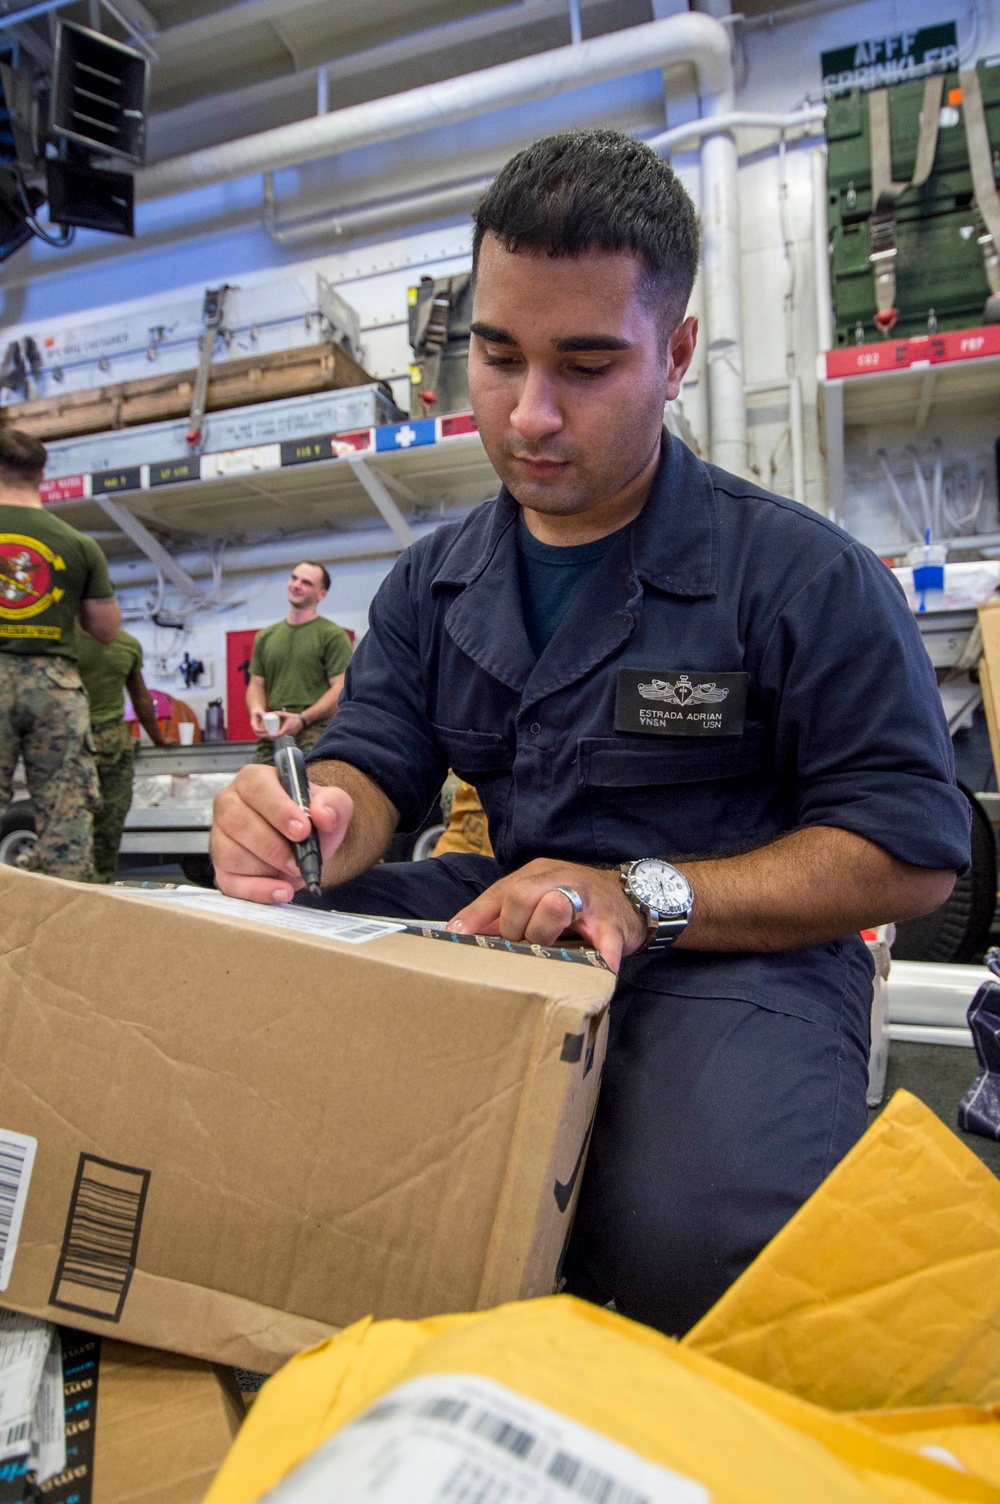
(226, 1138)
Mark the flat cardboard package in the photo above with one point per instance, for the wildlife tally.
(226, 1138)
(142, 1427)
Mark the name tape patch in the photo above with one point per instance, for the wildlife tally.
(678, 702)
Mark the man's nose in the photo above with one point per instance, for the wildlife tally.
(537, 415)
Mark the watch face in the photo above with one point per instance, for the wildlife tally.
(660, 886)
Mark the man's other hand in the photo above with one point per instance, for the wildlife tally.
(257, 723)
(253, 826)
(528, 906)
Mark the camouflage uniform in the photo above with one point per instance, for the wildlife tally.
(307, 740)
(114, 749)
(44, 715)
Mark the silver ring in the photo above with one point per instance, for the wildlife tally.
(573, 897)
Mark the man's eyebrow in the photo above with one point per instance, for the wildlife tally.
(492, 334)
(573, 342)
(591, 342)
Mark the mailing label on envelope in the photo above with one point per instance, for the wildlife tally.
(449, 1437)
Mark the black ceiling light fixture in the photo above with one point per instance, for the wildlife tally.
(99, 93)
(92, 198)
(70, 138)
(97, 115)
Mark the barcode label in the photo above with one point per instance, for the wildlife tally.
(455, 1437)
(24, 1344)
(17, 1159)
(102, 1238)
(355, 929)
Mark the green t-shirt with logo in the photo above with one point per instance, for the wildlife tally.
(298, 662)
(46, 569)
(104, 667)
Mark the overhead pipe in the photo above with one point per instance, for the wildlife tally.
(723, 295)
(821, 253)
(761, 120)
(403, 52)
(686, 38)
(462, 196)
(365, 219)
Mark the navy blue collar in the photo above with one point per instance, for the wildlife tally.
(674, 543)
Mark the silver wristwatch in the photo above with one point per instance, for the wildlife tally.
(662, 895)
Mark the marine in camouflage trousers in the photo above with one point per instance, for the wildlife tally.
(114, 749)
(45, 718)
(306, 741)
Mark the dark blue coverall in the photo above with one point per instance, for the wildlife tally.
(733, 1083)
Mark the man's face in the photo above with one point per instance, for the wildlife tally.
(568, 375)
(305, 586)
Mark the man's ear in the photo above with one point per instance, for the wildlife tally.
(680, 353)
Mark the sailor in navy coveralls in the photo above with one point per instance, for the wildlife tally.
(631, 654)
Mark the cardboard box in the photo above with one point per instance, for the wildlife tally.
(141, 1427)
(248, 1136)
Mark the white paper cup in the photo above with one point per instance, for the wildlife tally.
(185, 732)
(272, 722)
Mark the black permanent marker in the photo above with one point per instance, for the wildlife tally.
(291, 766)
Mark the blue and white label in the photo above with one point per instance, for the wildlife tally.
(403, 436)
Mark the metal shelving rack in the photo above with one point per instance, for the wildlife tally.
(904, 382)
(327, 481)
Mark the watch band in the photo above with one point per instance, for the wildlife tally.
(662, 934)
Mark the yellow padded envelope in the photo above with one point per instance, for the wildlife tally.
(715, 1436)
(967, 1435)
(884, 1289)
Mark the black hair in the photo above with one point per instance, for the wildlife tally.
(597, 191)
(22, 459)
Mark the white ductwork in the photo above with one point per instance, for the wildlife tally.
(751, 120)
(461, 196)
(821, 253)
(690, 38)
(366, 219)
(722, 292)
